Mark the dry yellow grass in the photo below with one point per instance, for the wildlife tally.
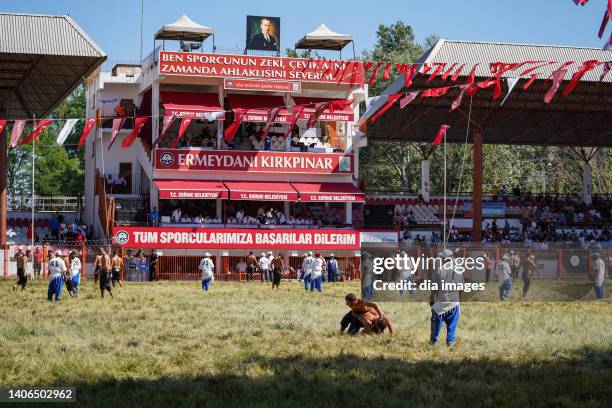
(243, 344)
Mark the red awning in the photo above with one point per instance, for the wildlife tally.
(344, 115)
(191, 189)
(191, 104)
(265, 191)
(256, 107)
(329, 192)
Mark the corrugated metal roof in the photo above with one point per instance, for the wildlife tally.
(45, 35)
(472, 52)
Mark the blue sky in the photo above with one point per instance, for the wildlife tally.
(115, 24)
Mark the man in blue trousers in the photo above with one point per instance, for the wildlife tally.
(306, 271)
(445, 302)
(332, 269)
(57, 268)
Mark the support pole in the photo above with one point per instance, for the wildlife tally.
(3, 158)
(477, 188)
(587, 186)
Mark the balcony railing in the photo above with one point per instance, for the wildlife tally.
(43, 204)
(232, 226)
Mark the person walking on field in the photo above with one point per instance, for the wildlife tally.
(306, 271)
(207, 267)
(332, 269)
(515, 265)
(504, 274)
(264, 267)
(251, 262)
(22, 279)
(529, 270)
(116, 264)
(277, 268)
(75, 271)
(38, 256)
(445, 302)
(599, 275)
(105, 273)
(57, 268)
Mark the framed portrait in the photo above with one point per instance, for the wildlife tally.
(263, 33)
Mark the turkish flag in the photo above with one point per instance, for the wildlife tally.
(440, 136)
(319, 109)
(439, 68)
(457, 73)
(387, 73)
(409, 74)
(3, 123)
(139, 123)
(586, 67)
(434, 92)
(89, 124)
(117, 125)
(557, 79)
(272, 114)
(472, 74)
(530, 81)
(42, 125)
(185, 122)
(166, 123)
(448, 71)
(386, 106)
(297, 114)
(231, 129)
(372, 80)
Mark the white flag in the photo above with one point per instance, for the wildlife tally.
(61, 138)
(511, 84)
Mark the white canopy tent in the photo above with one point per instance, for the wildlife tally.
(325, 39)
(184, 29)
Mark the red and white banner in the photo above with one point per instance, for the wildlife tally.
(284, 116)
(215, 238)
(254, 67)
(252, 161)
(259, 85)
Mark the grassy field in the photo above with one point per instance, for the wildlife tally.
(243, 344)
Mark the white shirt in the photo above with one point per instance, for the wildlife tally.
(207, 266)
(306, 266)
(264, 263)
(599, 272)
(241, 267)
(503, 271)
(316, 267)
(56, 267)
(75, 267)
(176, 215)
(239, 217)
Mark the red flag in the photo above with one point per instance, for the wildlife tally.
(557, 79)
(3, 123)
(530, 81)
(440, 136)
(457, 102)
(374, 76)
(407, 99)
(185, 122)
(367, 65)
(233, 128)
(530, 70)
(139, 123)
(439, 68)
(448, 71)
(386, 106)
(319, 109)
(89, 124)
(400, 68)
(496, 82)
(167, 121)
(18, 126)
(272, 114)
(339, 105)
(457, 73)
(426, 68)
(434, 92)
(409, 74)
(472, 74)
(117, 125)
(586, 67)
(42, 125)
(297, 111)
(387, 73)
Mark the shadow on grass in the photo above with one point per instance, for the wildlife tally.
(584, 379)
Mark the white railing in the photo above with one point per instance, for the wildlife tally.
(43, 204)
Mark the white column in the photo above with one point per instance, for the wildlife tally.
(220, 123)
(286, 209)
(425, 186)
(90, 159)
(348, 210)
(587, 184)
(153, 193)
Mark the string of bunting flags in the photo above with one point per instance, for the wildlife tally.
(444, 71)
(607, 16)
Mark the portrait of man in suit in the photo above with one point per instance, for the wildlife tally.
(263, 33)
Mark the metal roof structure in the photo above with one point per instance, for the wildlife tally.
(184, 29)
(324, 39)
(43, 59)
(584, 118)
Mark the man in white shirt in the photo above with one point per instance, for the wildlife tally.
(317, 266)
(264, 267)
(176, 215)
(240, 216)
(56, 267)
(599, 275)
(306, 272)
(207, 267)
(75, 271)
(504, 274)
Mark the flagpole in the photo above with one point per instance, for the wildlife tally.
(444, 225)
(33, 205)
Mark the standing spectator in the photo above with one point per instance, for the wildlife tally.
(56, 268)
(241, 268)
(153, 265)
(207, 266)
(515, 265)
(599, 275)
(117, 263)
(277, 268)
(54, 227)
(445, 303)
(317, 266)
(75, 271)
(306, 269)
(143, 267)
(21, 259)
(529, 270)
(105, 273)
(154, 216)
(504, 274)
(332, 269)
(131, 265)
(251, 265)
(488, 263)
(63, 230)
(37, 261)
(264, 267)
